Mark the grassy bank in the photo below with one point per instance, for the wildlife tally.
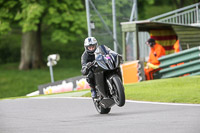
(173, 90)
(14, 82)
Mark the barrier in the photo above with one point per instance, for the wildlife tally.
(70, 84)
(132, 72)
(190, 64)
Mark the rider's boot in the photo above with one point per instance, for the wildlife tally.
(93, 93)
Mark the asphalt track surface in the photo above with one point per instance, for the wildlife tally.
(78, 115)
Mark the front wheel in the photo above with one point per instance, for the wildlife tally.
(118, 96)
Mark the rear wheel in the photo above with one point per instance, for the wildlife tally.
(118, 96)
(99, 108)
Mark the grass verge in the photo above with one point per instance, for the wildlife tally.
(77, 93)
(173, 90)
(14, 83)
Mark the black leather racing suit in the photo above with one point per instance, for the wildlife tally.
(85, 58)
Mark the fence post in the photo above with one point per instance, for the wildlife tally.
(197, 10)
(88, 17)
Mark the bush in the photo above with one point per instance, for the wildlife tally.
(10, 48)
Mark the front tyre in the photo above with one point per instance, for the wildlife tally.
(118, 96)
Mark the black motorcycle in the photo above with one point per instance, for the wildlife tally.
(108, 80)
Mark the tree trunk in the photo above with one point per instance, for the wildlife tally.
(179, 3)
(31, 50)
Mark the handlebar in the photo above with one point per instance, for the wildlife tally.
(92, 64)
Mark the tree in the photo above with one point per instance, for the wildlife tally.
(30, 19)
(65, 18)
(182, 3)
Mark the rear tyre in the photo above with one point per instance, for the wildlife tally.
(99, 108)
(118, 96)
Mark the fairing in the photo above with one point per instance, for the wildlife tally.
(108, 63)
(106, 59)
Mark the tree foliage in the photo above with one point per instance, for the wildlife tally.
(29, 15)
(6, 16)
(66, 18)
(64, 21)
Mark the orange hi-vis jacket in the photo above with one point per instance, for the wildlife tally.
(156, 52)
(176, 47)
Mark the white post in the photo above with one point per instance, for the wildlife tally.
(51, 71)
(114, 26)
(88, 17)
(52, 60)
(136, 10)
(133, 13)
(197, 10)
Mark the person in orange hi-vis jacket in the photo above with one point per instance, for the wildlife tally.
(153, 63)
(177, 47)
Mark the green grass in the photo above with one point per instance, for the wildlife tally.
(173, 90)
(155, 10)
(14, 82)
(64, 94)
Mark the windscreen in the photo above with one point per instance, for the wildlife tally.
(105, 57)
(102, 49)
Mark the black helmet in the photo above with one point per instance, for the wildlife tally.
(151, 42)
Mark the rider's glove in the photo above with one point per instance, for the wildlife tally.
(89, 64)
(84, 70)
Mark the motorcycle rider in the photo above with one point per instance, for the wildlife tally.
(153, 63)
(87, 58)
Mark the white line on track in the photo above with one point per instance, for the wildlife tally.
(130, 101)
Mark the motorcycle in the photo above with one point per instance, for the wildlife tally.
(108, 80)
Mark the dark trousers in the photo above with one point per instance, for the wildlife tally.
(90, 79)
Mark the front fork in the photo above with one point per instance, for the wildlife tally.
(110, 87)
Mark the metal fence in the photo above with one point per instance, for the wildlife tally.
(101, 20)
